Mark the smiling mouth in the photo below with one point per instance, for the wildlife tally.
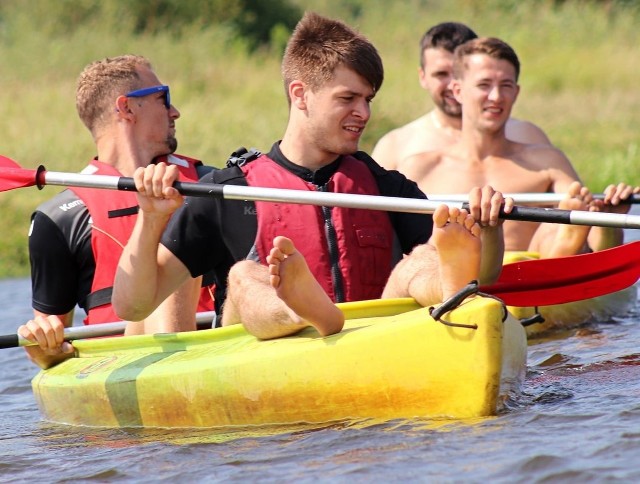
(493, 110)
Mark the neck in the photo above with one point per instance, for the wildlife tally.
(297, 150)
(121, 154)
(440, 120)
(480, 145)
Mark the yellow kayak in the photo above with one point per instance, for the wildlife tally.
(392, 360)
(571, 315)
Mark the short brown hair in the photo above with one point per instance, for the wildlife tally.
(494, 48)
(447, 35)
(319, 45)
(101, 82)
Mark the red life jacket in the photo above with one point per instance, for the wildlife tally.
(348, 250)
(113, 216)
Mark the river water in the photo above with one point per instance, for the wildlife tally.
(578, 420)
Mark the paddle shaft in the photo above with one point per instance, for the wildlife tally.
(345, 200)
(528, 198)
(526, 283)
(204, 320)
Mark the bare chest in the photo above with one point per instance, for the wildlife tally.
(454, 176)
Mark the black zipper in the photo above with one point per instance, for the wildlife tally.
(332, 240)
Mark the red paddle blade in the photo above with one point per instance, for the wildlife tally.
(13, 176)
(566, 279)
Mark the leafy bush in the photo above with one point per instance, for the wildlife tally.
(254, 20)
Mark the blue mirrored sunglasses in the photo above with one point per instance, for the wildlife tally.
(152, 90)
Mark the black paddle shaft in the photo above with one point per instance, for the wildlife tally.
(9, 341)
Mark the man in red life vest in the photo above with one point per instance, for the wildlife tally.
(319, 255)
(76, 238)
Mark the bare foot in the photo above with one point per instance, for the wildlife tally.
(299, 290)
(456, 236)
(571, 239)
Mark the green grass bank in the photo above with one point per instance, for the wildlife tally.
(579, 83)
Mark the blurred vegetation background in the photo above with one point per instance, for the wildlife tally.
(222, 58)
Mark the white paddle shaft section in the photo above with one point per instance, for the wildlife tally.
(526, 198)
(203, 319)
(346, 200)
(234, 192)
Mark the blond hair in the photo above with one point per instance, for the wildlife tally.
(101, 82)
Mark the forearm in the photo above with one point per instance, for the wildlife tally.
(177, 312)
(66, 319)
(136, 285)
(601, 238)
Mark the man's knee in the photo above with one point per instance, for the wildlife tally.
(245, 270)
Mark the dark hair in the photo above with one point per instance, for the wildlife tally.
(494, 48)
(447, 35)
(319, 45)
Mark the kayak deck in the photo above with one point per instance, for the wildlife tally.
(390, 361)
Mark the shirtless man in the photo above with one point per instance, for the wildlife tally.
(441, 126)
(287, 264)
(486, 83)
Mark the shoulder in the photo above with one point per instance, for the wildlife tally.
(546, 157)
(64, 205)
(391, 146)
(432, 156)
(226, 176)
(390, 182)
(525, 132)
(543, 153)
(63, 218)
(231, 175)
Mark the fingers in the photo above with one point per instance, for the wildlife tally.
(47, 333)
(485, 204)
(156, 180)
(614, 194)
(614, 197)
(156, 194)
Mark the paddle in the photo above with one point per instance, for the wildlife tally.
(558, 280)
(533, 198)
(526, 283)
(12, 176)
(203, 320)
(543, 282)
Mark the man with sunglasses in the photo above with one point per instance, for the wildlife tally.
(76, 238)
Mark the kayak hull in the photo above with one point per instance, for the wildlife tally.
(390, 361)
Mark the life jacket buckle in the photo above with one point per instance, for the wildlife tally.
(242, 156)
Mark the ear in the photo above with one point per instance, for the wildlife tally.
(422, 77)
(297, 93)
(456, 89)
(122, 106)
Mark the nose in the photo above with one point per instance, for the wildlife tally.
(362, 110)
(447, 82)
(173, 112)
(495, 93)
